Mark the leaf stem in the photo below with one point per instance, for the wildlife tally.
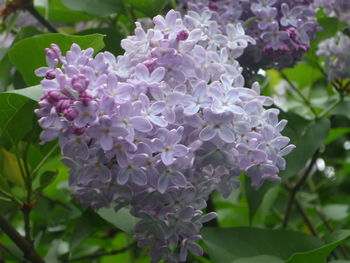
(306, 217)
(10, 196)
(331, 107)
(99, 254)
(301, 95)
(41, 19)
(27, 248)
(37, 168)
(296, 188)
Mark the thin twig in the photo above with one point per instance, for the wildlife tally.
(36, 169)
(331, 107)
(54, 201)
(42, 20)
(296, 188)
(26, 208)
(27, 248)
(306, 217)
(301, 95)
(103, 253)
(5, 248)
(11, 197)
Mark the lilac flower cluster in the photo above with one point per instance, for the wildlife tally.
(161, 127)
(282, 29)
(336, 51)
(336, 8)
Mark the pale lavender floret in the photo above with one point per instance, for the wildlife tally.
(290, 16)
(144, 78)
(335, 50)
(105, 131)
(87, 113)
(152, 112)
(199, 99)
(161, 127)
(169, 146)
(217, 124)
(262, 5)
(133, 170)
(275, 37)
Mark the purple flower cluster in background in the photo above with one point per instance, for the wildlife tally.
(336, 51)
(161, 127)
(336, 8)
(282, 29)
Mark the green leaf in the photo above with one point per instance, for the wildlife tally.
(112, 38)
(148, 7)
(336, 133)
(85, 225)
(343, 108)
(45, 179)
(27, 62)
(5, 63)
(255, 196)
(34, 93)
(9, 167)
(56, 11)
(99, 8)
(121, 219)
(307, 144)
(232, 244)
(336, 211)
(330, 26)
(320, 254)
(16, 115)
(259, 259)
(303, 75)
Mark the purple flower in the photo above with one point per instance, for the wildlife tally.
(275, 37)
(169, 146)
(105, 131)
(133, 170)
(217, 124)
(145, 78)
(87, 113)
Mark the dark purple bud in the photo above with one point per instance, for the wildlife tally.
(77, 131)
(50, 74)
(63, 104)
(85, 99)
(80, 83)
(70, 114)
(292, 32)
(50, 54)
(182, 35)
(213, 6)
(150, 64)
(56, 50)
(53, 96)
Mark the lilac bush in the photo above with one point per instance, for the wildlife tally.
(282, 29)
(336, 51)
(336, 8)
(161, 127)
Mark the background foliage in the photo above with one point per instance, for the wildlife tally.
(303, 219)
